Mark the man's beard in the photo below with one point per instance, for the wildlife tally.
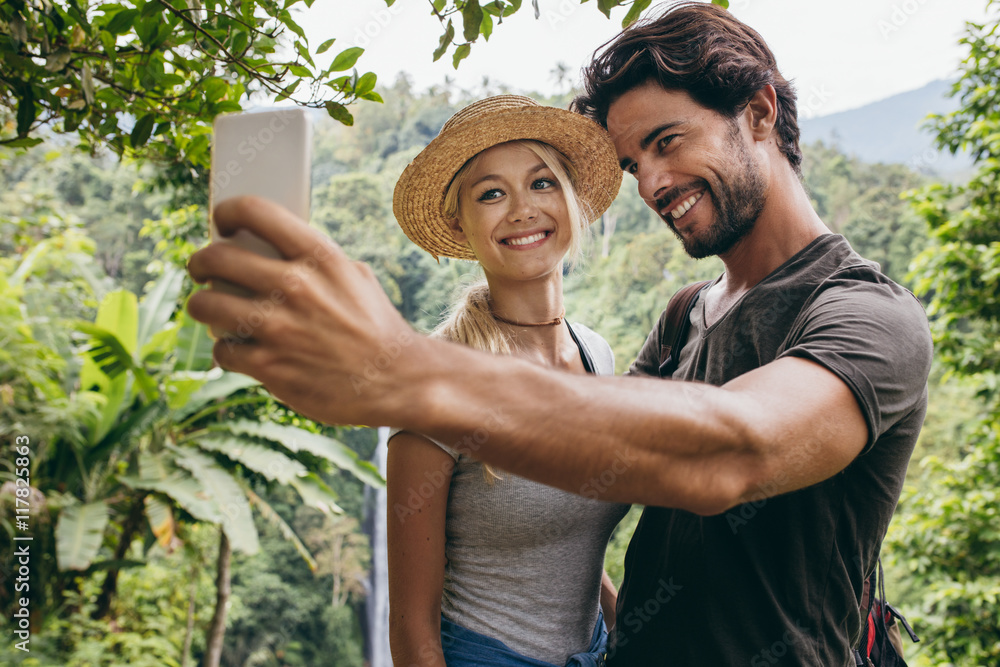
(738, 203)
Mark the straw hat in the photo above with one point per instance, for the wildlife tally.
(419, 193)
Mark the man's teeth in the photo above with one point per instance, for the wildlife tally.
(685, 205)
(525, 240)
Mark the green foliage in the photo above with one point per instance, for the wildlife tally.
(862, 202)
(464, 21)
(149, 617)
(948, 534)
(614, 557)
(157, 437)
(151, 403)
(283, 614)
(150, 75)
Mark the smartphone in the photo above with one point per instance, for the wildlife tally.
(262, 153)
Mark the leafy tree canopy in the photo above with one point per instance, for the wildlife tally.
(947, 535)
(150, 75)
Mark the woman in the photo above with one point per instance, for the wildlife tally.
(486, 567)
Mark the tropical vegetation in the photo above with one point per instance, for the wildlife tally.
(181, 516)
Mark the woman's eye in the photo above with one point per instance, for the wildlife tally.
(494, 193)
(543, 183)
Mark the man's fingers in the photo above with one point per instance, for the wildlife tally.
(232, 316)
(224, 261)
(237, 355)
(290, 235)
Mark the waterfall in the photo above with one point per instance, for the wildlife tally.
(377, 602)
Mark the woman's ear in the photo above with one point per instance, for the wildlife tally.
(456, 230)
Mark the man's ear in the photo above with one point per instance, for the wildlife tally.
(762, 111)
(456, 231)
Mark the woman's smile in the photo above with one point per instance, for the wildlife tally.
(526, 240)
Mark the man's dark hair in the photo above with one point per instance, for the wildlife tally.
(701, 49)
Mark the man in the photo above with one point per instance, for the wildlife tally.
(770, 483)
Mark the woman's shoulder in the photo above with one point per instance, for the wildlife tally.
(600, 351)
(449, 450)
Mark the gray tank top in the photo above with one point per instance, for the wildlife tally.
(524, 560)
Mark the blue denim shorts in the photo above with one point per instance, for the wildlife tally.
(465, 648)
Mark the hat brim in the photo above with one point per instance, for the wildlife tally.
(419, 192)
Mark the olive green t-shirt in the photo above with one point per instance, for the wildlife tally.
(777, 579)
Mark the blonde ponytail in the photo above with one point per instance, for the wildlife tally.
(470, 322)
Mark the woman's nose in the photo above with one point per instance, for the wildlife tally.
(523, 208)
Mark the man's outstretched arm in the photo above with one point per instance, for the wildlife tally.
(323, 337)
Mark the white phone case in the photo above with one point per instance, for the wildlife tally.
(266, 154)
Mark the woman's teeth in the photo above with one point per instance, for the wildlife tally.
(525, 240)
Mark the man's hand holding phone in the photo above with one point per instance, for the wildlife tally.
(283, 294)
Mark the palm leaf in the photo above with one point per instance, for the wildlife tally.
(110, 355)
(297, 439)
(79, 533)
(180, 385)
(273, 465)
(161, 521)
(219, 385)
(236, 518)
(27, 264)
(159, 304)
(114, 394)
(316, 494)
(158, 473)
(159, 345)
(287, 532)
(194, 345)
(140, 421)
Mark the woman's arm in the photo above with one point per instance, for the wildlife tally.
(609, 600)
(418, 474)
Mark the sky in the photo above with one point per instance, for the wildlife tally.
(840, 55)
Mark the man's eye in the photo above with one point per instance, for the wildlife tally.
(663, 142)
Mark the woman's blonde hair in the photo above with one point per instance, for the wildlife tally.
(470, 319)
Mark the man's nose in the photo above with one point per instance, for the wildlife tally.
(654, 181)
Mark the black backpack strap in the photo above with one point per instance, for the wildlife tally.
(676, 319)
(861, 653)
(884, 652)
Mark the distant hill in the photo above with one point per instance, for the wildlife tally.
(889, 130)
